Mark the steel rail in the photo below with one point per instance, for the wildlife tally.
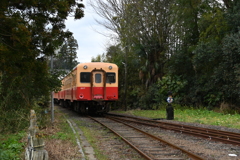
(194, 156)
(181, 125)
(203, 135)
(217, 135)
(128, 142)
(191, 155)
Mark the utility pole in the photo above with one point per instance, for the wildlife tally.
(125, 87)
(126, 56)
(52, 104)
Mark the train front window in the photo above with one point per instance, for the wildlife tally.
(110, 77)
(98, 78)
(85, 77)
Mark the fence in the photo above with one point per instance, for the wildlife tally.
(35, 149)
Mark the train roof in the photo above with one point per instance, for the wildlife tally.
(92, 64)
(97, 65)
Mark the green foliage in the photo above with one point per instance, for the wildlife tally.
(60, 135)
(232, 15)
(190, 47)
(21, 96)
(66, 58)
(192, 115)
(30, 32)
(151, 97)
(114, 54)
(12, 116)
(97, 59)
(175, 84)
(157, 93)
(212, 99)
(12, 147)
(212, 24)
(211, 65)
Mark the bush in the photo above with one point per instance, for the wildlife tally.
(12, 147)
(152, 98)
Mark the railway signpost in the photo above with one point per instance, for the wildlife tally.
(170, 110)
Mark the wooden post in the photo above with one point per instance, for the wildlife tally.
(35, 149)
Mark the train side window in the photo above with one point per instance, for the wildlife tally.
(98, 78)
(110, 77)
(85, 77)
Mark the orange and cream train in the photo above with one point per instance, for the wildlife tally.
(89, 87)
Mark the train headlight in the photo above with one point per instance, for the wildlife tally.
(110, 67)
(85, 67)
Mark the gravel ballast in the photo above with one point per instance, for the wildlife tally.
(114, 148)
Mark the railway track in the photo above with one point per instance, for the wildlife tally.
(149, 146)
(210, 134)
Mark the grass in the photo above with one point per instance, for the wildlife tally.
(61, 142)
(202, 116)
(12, 146)
(90, 135)
(61, 129)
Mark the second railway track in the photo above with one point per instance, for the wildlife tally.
(149, 146)
(211, 134)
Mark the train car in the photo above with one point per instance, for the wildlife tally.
(57, 96)
(89, 87)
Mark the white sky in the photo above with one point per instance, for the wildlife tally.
(85, 31)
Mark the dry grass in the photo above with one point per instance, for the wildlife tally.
(60, 148)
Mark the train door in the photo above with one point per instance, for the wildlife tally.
(98, 85)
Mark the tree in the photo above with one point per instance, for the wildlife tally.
(191, 27)
(142, 27)
(30, 31)
(66, 58)
(188, 42)
(204, 62)
(99, 58)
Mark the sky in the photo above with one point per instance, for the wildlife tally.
(86, 31)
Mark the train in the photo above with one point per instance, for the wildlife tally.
(89, 88)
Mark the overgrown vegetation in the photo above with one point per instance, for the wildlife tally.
(12, 146)
(192, 115)
(60, 140)
(14, 114)
(31, 32)
(92, 138)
